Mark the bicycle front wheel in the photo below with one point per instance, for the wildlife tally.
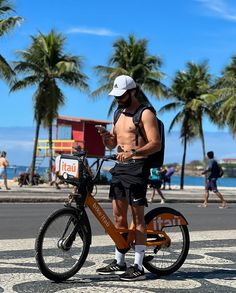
(167, 258)
(62, 244)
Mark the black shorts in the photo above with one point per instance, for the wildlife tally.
(155, 183)
(212, 185)
(129, 181)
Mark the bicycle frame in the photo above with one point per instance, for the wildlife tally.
(67, 231)
(153, 228)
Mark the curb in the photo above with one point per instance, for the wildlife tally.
(101, 200)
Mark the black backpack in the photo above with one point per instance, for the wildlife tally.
(154, 160)
(220, 171)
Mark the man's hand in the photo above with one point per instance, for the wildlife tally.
(124, 156)
(106, 136)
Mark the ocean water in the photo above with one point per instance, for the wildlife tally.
(200, 181)
(196, 181)
(14, 171)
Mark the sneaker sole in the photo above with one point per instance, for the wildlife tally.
(139, 278)
(111, 273)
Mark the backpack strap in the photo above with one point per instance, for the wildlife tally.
(136, 120)
(116, 115)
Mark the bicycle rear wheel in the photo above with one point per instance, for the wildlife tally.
(62, 244)
(166, 259)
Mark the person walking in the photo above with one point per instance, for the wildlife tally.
(155, 183)
(130, 174)
(211, 183)
(3, 168)
(54, 179)
(167, 177)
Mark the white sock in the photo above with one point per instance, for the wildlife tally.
(139, 254)
(120, 257)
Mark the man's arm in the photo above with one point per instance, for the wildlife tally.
(6, 163)
(109, 139)
(208, 170)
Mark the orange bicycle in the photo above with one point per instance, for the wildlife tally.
(64, 239)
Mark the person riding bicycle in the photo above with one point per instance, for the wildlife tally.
(130, 174)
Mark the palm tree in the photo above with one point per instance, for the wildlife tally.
(188, 124)
(192, 91)
(226, 91)
(46, 65)
(202, 98)
(131, 57)
(7, 23)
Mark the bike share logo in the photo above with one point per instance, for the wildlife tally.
(70, 167)
(166, 221)
(101, 215)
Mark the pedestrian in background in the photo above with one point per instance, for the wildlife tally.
(167, 177)
(3, 168)
(155, 183)
(211, 184)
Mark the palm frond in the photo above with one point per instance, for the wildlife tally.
(6, 72)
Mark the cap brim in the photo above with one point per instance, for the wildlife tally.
(117, 92)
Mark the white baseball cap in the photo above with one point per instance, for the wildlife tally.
(121, 84)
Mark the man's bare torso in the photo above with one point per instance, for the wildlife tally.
(125, 132)
(3, 162)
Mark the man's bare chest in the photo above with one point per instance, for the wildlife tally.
(125, 125)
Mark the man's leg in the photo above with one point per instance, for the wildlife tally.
(161, 195)
(120, 208)
(153, 194)
(5, 182)
(223, 201)
(118, 266)
(204, 204)
(215, 190)
(140, 234)
(169, 183)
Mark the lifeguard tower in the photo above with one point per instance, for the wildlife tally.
(73, 131)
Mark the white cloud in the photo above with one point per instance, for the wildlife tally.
(92, 31)
(18, 145)
(220, 8)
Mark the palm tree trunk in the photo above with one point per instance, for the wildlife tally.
(183, 164)
(203, 142)
(34, 152)
(203, 149)
(50, 151)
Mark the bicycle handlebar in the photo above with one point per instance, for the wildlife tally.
(110, 157)
(105, 158)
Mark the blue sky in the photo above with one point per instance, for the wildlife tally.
(178, 31)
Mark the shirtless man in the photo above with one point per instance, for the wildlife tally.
(130, 174)
(3, 168)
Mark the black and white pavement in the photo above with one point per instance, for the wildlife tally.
(210, 267)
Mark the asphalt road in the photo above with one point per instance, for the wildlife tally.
(20, 220)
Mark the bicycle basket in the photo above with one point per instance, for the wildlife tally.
(69, 168)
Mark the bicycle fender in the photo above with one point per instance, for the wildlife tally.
(161, 217)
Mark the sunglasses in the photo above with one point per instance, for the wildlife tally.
(121, 97)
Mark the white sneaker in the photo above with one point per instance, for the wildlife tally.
(162, 201)
(150, 200)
